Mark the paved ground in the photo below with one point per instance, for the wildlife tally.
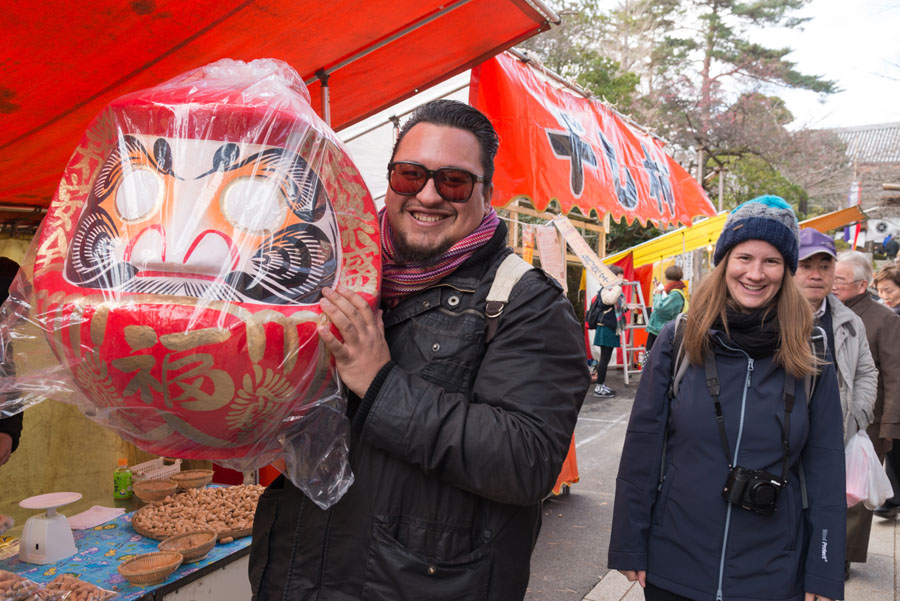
(569, 561)
(570, 557)
(875, 580)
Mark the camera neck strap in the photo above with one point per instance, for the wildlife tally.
(712, 384)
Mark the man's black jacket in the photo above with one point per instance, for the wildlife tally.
(454, 446)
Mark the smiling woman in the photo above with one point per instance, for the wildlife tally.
(753, 274)
(728, 489)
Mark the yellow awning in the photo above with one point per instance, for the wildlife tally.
(682, 240)
(835, 219)
(706, 232)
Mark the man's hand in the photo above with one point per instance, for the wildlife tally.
(364, 350)
(6, 523)
(639, 575)
(5, 447)
(815, 597)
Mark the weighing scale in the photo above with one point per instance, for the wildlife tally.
(47, 537)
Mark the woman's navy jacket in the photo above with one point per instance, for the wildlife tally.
(684, 534)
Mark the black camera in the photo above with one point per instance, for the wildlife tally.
(755, 490)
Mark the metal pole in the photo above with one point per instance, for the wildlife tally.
(395, 119)
(11, 208)
(548, 12)
(326, 97)
(395, 122)
(721, 187)
(700, 165)
(384, 42)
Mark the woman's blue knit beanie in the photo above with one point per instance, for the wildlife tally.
(767, 218)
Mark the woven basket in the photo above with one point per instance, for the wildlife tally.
(193, 546)
(154, 490)
(150, 568)
(193, 478)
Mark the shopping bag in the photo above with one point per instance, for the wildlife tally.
(866, 480)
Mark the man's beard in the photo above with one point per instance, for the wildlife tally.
(406, 254)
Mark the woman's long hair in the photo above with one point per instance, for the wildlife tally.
(795, 320)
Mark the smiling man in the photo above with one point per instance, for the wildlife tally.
(463, 397)
(848, 345)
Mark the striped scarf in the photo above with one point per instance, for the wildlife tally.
(401, 280)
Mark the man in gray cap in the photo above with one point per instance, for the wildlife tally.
(848, 345)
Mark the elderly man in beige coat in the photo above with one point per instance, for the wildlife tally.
(857, 374)
(853, 273)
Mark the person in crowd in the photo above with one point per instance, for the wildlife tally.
(848, 345)
(731, 409)
(668, 302)
(458, 431)
(853, 274)
(10, 425)
(887, 283)
(607, 326)
(891, 246)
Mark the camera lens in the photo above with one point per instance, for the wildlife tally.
(763, 494)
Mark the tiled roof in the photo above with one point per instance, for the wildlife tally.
(872, 143)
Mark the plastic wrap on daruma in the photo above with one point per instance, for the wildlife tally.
(178, 273)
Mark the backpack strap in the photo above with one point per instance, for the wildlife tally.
(679, 366)
(683, 298)
(508, 274)
(677, 369)
(817, 341)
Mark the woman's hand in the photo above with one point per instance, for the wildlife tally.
(364, 350)
(815, 597)
(639, 575)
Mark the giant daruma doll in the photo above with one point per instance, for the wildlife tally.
(181, 263)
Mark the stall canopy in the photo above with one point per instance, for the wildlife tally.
(706, 232)
(61, 62)
(558, 145)
(835, 219)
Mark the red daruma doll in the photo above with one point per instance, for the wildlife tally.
(179, 269)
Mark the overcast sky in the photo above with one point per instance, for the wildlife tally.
(855, 43)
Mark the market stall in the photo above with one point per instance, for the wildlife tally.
(355, 59)
(221, 574)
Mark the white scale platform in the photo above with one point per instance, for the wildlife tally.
(47, 537)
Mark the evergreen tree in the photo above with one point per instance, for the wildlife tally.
(712, 61)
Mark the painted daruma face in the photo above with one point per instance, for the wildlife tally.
(180, 281)
(208, 220)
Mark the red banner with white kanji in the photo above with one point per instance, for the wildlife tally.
(556, 145)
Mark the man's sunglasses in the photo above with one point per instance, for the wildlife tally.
(452, 184)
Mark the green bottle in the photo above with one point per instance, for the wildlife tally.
(122, 481)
